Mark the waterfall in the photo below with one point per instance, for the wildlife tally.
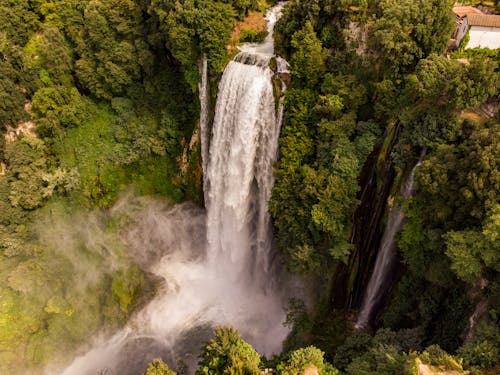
(215, 266)
(387, 255)
(244, 147)
(204, 115)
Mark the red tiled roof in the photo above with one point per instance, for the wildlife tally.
(464, 10)
(486, 20)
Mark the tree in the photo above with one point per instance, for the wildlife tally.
(472, 251)
(27, 161)
(158, 367)
(307, 358)
(58, 107)
(438, 88)
(18, 20)
(47, 58)
(409, 30)
(192, 27)
(12, 97)
(308, 57)
(228, 354)
(112, 47)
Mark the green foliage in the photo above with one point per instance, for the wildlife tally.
(301, 359)
(354, 346)
(60, 270)
(380, 359)
(252, 36)
(456, 191)
(47, 58)
(388, 352)
(109, 151)
(330, 129)
(158, 367)
(318, 169)
(113, 53)
(437, 311)
(56, 108)
(227, 353)
(308, 58)
(470, 252)
(478, 53)
(27, 160)
(408, 31)
(480, 354)
(198, 26)
(325, 17)
(111, 108)
(18, 19)
(435, 356)
(126, 286)
(12, 96)
(67, 66)
(438, 89)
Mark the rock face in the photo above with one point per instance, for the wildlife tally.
(376, 180)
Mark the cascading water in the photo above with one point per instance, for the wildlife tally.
(204, 115)
(387, 255)
(229, 278)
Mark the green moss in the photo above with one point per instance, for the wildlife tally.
(154, 176)
(126, 285)
(385, 151)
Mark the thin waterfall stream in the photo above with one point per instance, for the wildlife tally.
(387, 255)
(216, 266)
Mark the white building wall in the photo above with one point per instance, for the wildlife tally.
(484, 37)
(461, 31)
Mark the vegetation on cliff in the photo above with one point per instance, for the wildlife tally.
(98, 96)
(95, 96)
(359, 69)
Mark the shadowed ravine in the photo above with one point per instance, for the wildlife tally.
(216, 266)
(387, 255)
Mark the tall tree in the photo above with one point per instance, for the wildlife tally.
(409, 30)
(228, 354)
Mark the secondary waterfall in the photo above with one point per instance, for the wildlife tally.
(386, 256)
(216, 266)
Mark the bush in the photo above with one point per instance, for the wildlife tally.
(479, 354)
(158, 367)
(304, 358)
(252, 36)
(227, 353)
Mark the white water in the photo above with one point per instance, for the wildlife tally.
(265, 49)
(386, 256)
(204, 115)
(216, 268)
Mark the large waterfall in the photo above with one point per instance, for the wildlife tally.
(244, 147)
(386, 257)
(216, 266)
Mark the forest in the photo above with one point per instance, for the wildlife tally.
(99, 111)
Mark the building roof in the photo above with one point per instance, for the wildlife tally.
(486, 20)
(465, 10)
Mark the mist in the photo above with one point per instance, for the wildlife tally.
(193, 297)
(219, 266)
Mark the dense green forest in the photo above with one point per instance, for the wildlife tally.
(373, 85)
(98, 98)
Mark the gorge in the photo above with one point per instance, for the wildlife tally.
(187, 180)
